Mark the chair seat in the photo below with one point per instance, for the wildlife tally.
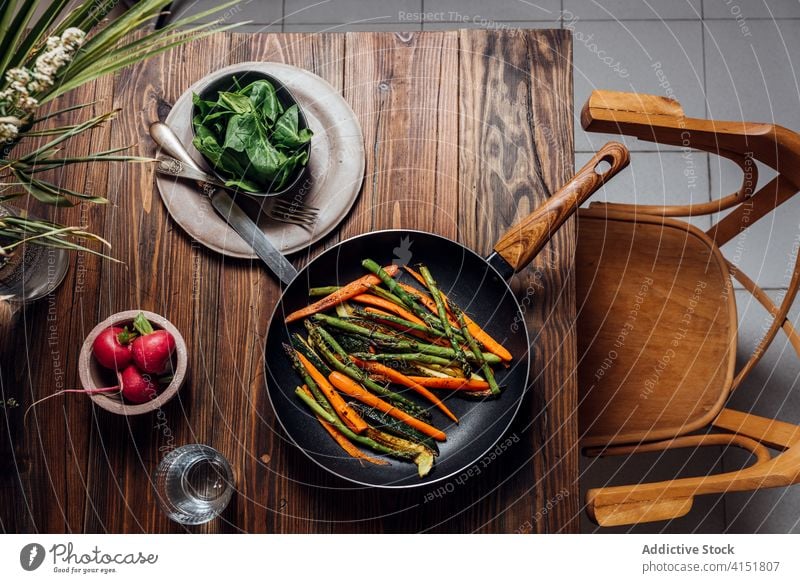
(656, 328)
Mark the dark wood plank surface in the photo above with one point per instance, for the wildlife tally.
(465, 131)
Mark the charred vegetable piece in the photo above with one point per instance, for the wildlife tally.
(343, 410)
(345, 443)
(407, 299)
(340, 361)
(489, 343)
(476, 351)
(448, 330)
(309, 382)
(392, 342)
(352, 389)
(384, 422)
(303, 347)
(342, 294)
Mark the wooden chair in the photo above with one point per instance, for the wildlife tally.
(657, 321)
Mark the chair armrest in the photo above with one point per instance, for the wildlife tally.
(649, 502)
(662, 120)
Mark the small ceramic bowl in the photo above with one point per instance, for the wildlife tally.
(94, 376)
(226, 82)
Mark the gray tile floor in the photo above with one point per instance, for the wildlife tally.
(726, 59)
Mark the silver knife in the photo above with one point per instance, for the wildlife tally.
(247, 229)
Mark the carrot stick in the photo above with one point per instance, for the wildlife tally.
(342, 294)
(353, 389)
(377, 302)
(345, 443)
(477, 332)
(401, 379)
(454, 384)
(343, 410)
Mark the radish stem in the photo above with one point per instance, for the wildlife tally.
(64, 391)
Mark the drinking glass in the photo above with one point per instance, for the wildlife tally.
(194, 484)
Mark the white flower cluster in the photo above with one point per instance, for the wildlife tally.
(8, 131)
(23, 82)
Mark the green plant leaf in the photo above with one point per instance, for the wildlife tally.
(265, 160)
(286, 131)
(289, 167)
(239, 132)
(235, 102)
(265, 100)
(243, 184)
(14, 32)
(207, 145)
(46, 196)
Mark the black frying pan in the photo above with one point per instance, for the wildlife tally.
(478, 285)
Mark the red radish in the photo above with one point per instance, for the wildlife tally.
(137, 387)
(153, 349)
(112, 347)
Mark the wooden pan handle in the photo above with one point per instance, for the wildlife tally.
(520, 244)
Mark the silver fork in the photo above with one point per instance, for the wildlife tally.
(292, 210)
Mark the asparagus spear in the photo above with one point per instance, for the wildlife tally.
(448, 330)
(473, 345)
(387, 423)
(408, 300)
(312, 386)
(322, 291)
(340, 361)
(372, 316)
(403, 357)
(376, 440)
(393, 342)
(303, 348)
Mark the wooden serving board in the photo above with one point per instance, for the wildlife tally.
(465, 131)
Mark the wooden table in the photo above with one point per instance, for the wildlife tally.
(465, 131)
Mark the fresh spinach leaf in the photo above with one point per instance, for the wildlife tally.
(235, 102)
(264, 99)
(288, 168)
(243, 184)
(265, 158)
(241, 128)
(286, 132)
(249, 138)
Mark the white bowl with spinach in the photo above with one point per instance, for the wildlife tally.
(252, 133)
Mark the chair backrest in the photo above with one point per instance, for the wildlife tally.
(662, 120)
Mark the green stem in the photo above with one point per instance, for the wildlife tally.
(312, 386)
(437, 298)
(370, 443)
(404, 357)
(322, 291)
(305, 349)
(407, 324)
(340, 360)
(142, 325)
(392, 342)
(473, 345)
(406, 298)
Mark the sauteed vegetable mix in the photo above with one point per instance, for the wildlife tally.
(375, 340)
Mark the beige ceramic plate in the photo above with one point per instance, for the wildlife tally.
(336, 167)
